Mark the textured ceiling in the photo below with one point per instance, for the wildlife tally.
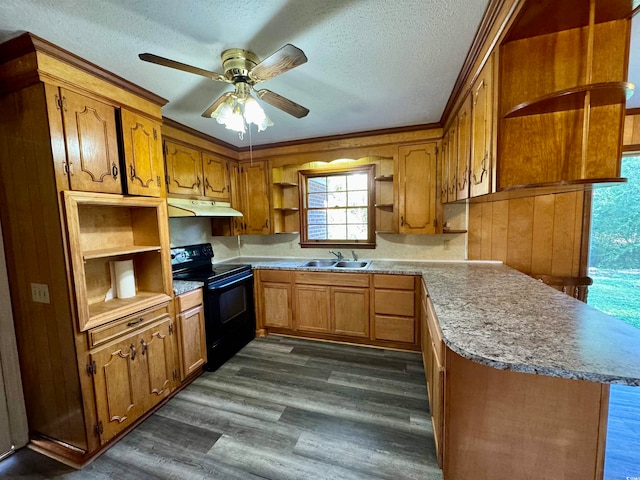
(373, 64)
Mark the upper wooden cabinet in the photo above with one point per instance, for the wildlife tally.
(482, 131)
(562, 95)
(142, 145)
(417, 169)
(463, 163)
(91, 140)
(254, 190)
(197, 173)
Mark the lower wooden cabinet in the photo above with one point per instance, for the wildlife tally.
(131, 375)
(338, 306)
(192, 342)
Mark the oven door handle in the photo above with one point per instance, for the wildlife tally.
(222, 284)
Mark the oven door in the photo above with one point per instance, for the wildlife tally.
(229, 317)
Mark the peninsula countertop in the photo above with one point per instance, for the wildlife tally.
(494, 315)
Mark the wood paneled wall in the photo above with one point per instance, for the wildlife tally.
(536, 235)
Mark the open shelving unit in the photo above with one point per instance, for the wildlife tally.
(386, 221)
(105, 228)
(285, 199)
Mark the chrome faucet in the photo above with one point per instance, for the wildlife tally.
(337, 254)
(353, 254)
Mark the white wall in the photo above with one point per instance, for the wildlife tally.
(13, 418)
(190, 230)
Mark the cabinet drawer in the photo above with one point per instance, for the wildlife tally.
(394, 282)
(280, 276)
(189, 300)
(333, 278)
(105, 333)
(394, 302)
(399, 329)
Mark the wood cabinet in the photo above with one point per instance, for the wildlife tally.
(254, 191)
(192, 342)
(275, 299)
(482, 130)
(417, 169)
(463, 173)
(339, 306)
(142, 145)
(91, 142)
(194, 172)
(59, 243)
(562, 95)
(394, 308)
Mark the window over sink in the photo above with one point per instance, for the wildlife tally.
(337, 207)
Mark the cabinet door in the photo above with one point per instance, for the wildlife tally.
(350, 308)
(116, 385)
(216, 177)
(184, 169)
(314, 302)
(481, 128)
(92, 144)
(417, 168)
(142, 155)
(437, 403)
(452, 163)
(236, 198)
(158, 360)
(255, 200)
(193, 343)
(276, 305)
(443, 163)
(464, 149)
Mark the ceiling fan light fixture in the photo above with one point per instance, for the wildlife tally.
(253, 113)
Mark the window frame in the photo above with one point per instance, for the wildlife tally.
(370, 242)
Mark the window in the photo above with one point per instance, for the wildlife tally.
(337, 207)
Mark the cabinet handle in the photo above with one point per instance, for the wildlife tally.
(114, 170)
(144, 346)
(158, 178)
(198, 181)
(133, 352)
(133, 171)
(402, 221)
(207, 185)
(135, 322)
(266, 223)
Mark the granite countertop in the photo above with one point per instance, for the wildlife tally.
(184, 286)
(494, 315)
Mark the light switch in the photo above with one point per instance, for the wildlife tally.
(40, 292)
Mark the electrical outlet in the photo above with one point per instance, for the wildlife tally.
(445, 244)
(40, 292)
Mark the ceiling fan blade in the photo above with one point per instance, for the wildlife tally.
(284, 104)
(207, 113)
(285, 59)
(165, 62)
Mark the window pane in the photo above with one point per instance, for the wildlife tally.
(337, 199)
(317, 184)
(337, 232)
(317, 217)
(317, 232)
(357, 232)
(356, 215)
(336, 216)
(317, 200)
(337, 183)
(357, 199)
(359, 181)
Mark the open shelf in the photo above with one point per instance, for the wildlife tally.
(388, 206)
(573, 98)
(116, 251)
(103, 312)
(285, 184)
(286, 209)
(453, 232)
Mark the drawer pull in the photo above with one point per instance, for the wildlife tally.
(135, 322)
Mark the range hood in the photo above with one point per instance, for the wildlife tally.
(184, 207)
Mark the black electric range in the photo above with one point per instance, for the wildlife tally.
(228, 300)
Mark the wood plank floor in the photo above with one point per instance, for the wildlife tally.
(282, 408)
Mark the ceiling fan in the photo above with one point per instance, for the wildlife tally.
(244, 70)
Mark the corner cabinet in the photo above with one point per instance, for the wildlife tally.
(417, 170)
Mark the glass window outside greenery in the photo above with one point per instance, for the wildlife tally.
(338, 207)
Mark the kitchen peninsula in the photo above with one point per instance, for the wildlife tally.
(524, 370)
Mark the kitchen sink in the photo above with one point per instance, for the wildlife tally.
(320, 263)
(351, 264)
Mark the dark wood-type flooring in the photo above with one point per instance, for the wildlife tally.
(282, 408)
